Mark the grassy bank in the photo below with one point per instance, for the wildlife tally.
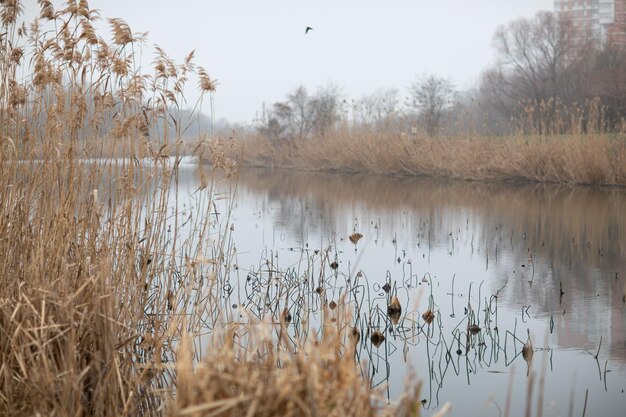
(598, 159)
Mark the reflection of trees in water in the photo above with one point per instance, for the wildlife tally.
(581, 223)
(553, 224)
(298, 212)
(445, 216)
(569, 236)
(572, 242)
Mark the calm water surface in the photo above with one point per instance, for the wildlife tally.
(515, 260)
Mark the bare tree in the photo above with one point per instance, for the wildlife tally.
(608, 82)
(540, 60)
(302, 115)
(534, 50)
(278, 124)
(302, 118)
(432, 96)
(379, 110)
(324, 108)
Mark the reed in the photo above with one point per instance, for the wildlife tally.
(598, 159)
(108, 288)
(261, 379)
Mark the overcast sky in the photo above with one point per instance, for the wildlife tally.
(258, 51)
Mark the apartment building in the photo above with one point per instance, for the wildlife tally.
(603, 21)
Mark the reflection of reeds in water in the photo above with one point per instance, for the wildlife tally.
(558, 233)
(562, 223)
(460, 350)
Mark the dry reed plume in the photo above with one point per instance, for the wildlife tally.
(100, 288)
(540, 153)
(261, 378)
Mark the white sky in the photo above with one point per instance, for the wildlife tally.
(258, 51)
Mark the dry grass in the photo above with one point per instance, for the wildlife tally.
(101, 289)
(261, 378)
(598, 159)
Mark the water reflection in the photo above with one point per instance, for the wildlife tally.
(477, 270)
(490, 262)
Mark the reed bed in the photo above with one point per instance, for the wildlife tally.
(598, 159)
(262, 379)
(110, 290)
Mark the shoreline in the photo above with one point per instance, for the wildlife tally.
(589, 160)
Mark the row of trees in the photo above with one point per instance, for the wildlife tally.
(302, 114)
(546, 79)
(545, 65)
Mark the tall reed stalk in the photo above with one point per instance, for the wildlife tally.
(106, 296)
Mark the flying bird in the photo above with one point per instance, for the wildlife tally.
(307, 29)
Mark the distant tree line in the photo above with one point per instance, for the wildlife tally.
(546, 71)
(546, 80)
(302, 114)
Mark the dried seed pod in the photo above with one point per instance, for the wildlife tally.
(377, 338)
(355, 237)
(332, 305)
(394, 308)
(334, 265)
(474, 328)
(395, 318)
(428, 316)
(527, 350)
(285, 317)
(355, 335)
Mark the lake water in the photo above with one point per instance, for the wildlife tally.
(514, 261)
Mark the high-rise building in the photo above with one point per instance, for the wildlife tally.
(603, 21)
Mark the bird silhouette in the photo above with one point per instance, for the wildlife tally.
(307, 29)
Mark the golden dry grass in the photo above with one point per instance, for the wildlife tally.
(598, 159)
(101, 291)
(263, 379)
